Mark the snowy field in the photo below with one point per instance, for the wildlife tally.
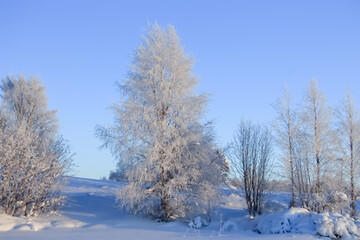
(91, 213)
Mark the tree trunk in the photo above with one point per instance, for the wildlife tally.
(292, 201)
(352, 188)
(317, 191)
(165, 214)
(164, 208)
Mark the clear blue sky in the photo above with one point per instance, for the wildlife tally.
(245, 51)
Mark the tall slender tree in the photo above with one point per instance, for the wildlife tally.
(317, 126)
(286, 128)
(349, 129)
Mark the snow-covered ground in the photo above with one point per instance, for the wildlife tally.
(91, 213)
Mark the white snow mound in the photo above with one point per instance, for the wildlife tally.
(335, 225)
(286, 221)
(299, 220)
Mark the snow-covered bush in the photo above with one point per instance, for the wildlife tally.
(32, 157)
(337, 202)
(335, 225)
(197, 223)
(299, 220)
(290, 220)
(229, 226)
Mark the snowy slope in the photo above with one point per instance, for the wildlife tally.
(91, 213)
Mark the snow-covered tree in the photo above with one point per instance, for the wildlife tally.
(25, 103)
(304, 172)
(286, 129)
(33, 157)
(250, 159)
(157, 132)
(318, 132)
(349, 130)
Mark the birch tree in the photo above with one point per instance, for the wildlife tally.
(317, 119)
(286, 129)
(157, 131)
(349, 129)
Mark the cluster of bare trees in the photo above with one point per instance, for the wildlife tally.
(319, 147)
(250, 157)
(33, 158)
